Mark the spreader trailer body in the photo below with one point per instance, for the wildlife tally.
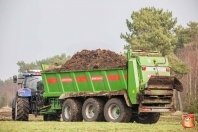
(138, 92)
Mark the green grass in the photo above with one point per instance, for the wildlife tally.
(41, 126)
(167, 123)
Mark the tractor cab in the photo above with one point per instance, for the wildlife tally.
(28, 80)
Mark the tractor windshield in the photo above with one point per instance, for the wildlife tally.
(31, 82)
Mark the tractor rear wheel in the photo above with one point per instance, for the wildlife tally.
(72, 110)
(21, 112)
(147, 118)
(93, 110)
(116, 110)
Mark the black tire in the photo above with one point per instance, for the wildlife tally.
(116, 110)
(51, 117)
(92, 110)
(72, 110)
(147, 118)
(13, 109)
(13, 113)
(21, 109)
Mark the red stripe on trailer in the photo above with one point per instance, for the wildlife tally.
(52, 80)
(66, 79)
(81, 79)
(113, 77)
(97, 78)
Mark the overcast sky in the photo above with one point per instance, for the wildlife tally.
(32, 30)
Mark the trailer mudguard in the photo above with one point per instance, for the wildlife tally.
(24, 92)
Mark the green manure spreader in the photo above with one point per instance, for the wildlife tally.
(138, 92)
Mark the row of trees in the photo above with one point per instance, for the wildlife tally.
(37, 64)
(155, 29)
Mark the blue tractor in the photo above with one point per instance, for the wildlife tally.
(29, 96)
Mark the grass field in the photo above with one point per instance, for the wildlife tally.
(167, 123)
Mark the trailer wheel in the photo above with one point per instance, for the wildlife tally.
(21, 109)
(72, 110)
(51, 117)
(116, 110)
(147, 118)
(92, 110)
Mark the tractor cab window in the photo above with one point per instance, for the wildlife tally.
(31, 82)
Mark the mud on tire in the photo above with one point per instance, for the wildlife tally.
(93, 110)
(116, 110)
(21, 109)
(72, 110)
(147, 118)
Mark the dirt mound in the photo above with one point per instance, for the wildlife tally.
(5, 109)
(93, 59)
(5, 113)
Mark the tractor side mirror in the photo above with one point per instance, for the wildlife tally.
(14, 78)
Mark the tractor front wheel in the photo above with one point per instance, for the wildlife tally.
(13, 109)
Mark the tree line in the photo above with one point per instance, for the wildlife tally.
(148, 29)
